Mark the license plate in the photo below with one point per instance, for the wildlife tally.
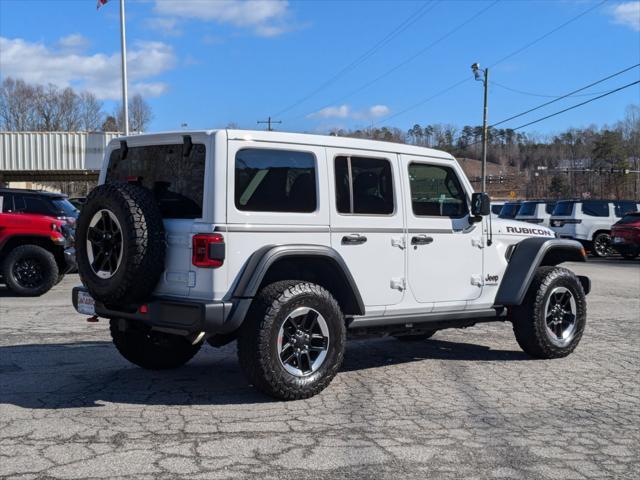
(618, 240)
(86, 304)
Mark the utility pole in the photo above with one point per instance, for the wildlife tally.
(123, 41)
(485, 80)
(269, 122)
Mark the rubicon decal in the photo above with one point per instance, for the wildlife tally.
(530, 231)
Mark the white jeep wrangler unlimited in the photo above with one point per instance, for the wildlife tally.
(290, 242)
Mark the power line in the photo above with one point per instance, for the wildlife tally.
(531, 94)
(567, 95)
(408, 22)
(506, 57)
(269, 121)
(411, 58)
(578, 105)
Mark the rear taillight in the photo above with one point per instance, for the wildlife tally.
(208, 250)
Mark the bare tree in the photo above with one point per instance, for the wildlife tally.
(91, 114)
(17, 105)
(140, 114)
(110, 124)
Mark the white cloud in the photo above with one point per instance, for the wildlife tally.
(165, 25)
(74, 42)
(627, 14)
(265, 17)
(98, 73)
(345, 111)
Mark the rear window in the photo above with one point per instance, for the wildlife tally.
(268, 180)
(622, 207)
(549, 207)
(509, 210)
(528, 208)
(177, 181)
(563, 209)
(596, 209)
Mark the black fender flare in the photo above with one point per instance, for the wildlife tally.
(262, 259)
(530, 254)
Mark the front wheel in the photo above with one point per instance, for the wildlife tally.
(292, 342)
(148, 349)
(30, 270)
(552, 318)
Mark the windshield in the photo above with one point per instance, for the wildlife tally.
(176, 180)
(510, 210)
(630, 218)
(563, 209)
(528, 208)
(64, 208)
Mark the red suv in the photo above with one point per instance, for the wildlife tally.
(625, 235)
(36, 240)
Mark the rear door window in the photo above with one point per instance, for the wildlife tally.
(596, 209)
(363, 186)
(176, 180)
(528, 208)
(563, 209)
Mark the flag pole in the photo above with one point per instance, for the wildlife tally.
(123, 41)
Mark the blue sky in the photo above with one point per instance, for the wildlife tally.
(209, 63)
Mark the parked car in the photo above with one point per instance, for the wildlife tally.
(78, 202)
(536, 211)
(36, 240)
(289, 242)
(510, 209)
(590, 221)
(625, 235)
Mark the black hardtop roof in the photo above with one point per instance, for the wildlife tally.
(29, 191)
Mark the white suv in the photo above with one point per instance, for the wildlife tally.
(290, 242)
(590, 221)
(536, 211)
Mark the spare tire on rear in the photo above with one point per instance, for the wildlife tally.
(120, 243)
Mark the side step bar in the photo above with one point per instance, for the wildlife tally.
(438, 319)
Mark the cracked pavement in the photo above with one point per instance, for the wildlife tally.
(465, 404)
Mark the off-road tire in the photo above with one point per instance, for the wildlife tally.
(596, 251)
(151, 350)
(45, 260)
(420, 337)
(529, 323)
(257, 341)
(143, 243)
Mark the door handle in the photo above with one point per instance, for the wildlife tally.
(354, 239)
(421, 240)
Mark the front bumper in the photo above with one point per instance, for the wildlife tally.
(179, 315)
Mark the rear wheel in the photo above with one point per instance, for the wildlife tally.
(30, 270)
(602, 245)
(552, 318)
(148, 349)
(292, 342)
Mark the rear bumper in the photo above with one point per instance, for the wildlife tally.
(178, 315)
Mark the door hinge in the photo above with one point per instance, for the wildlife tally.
(398, 242)
(477, 242)
(398, 284)
(476, 280)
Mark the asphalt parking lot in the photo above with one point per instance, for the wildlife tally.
(465, 404)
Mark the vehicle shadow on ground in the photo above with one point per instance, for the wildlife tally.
(90, 374)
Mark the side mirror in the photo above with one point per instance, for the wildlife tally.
(480, 204)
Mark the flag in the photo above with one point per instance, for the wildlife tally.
(101, 3)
